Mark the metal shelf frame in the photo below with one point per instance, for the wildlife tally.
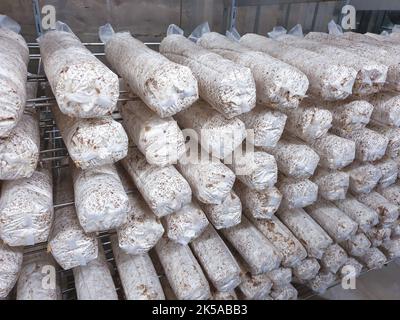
(53, 150)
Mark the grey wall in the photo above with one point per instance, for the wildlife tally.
(148, 20)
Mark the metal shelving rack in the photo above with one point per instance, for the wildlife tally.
(54, 153)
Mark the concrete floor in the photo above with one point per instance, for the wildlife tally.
(383, 284)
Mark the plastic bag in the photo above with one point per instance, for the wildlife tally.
(174, 29)
(277, 32)
(8, 23)
(60, 26)
(186, 224)
(106, 32)
(257, 251)
(199, 31)
(233, 34)
(334, 28)
(335, 222)
(216, 259)
(296, 31)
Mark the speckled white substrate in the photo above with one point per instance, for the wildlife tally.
(258, 204)
(294, 158)
(309, 121)
(224, 215)
(282, 238)
(182, 270)
(159, 139)
(362, 38)
(389, 169)
(306, 270)
(386, 108)
(386, 39)
(217, 261)
(350, 115)
(280, 277)
(357, 245)
(216, 134)
(255, 168)
(335, 152)
(364, 50)
(297, 193)
(393, 136)
(138, 275)
(391, 248)
(36, 269)
(92, 142)
(254, 287)
(398, 163)
(396, 228)
(351, 265)
(371, 75)
(142, 230)
(363, 177)
(332, 185)
(218, 295)
(227, 86)
(328, 80)
(334, 221)
(370, 145)
(389, 39)
(83, 86)
(100, 199)
(14, 58)
(373, 258)
(11, 262)
(387, 211)
(256, 250)
(359, 212)
(166, 87)
(278, 84)
(334, 258)
(287, 292)
(322, 281)
(68, 243)
(26, 209)
(186, 224)
(211, 181)
(19, 152)
(94, 281)
(267, 126)
(379, 234)
(311, 235)
(164, 189)
(391, 193)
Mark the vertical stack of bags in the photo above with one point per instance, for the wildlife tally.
(26, 202)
